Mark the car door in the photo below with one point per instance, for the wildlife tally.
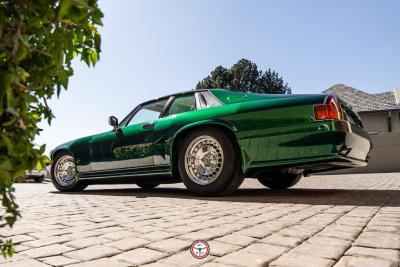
(129, 147)
(172, 119)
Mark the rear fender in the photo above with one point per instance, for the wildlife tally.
(223, 125)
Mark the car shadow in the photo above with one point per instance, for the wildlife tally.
(311, 196)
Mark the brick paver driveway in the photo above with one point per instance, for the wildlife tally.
(346, 220)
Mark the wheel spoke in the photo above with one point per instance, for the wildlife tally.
(65, 170)
(204, 159)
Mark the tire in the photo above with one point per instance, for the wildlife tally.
(281, 179)
(208, 163)
(147, 186)
(71, 185)
(38, 179)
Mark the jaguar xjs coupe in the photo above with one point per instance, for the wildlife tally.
(212, 139)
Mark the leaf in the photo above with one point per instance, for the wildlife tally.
(42, 149)
(39, 165)
(10, 122)
(63, 78)
(65, 5)
(58, 90)
(5, 83)
(97, 41)
(21, 54)
(93, 57)
(7, 142)
(12, 111)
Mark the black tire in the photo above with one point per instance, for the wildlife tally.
(38, 179)
(281, 179)
(147, 186)
(74, 187)
(230, 176)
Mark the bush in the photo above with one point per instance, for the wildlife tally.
(38, 41)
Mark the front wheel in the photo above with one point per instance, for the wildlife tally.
(209, 163)
(281, 179)
(63, 174)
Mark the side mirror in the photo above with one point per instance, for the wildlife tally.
(113, 121)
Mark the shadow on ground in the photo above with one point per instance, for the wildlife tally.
(359, 197)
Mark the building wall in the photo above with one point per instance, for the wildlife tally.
(377, 122)
(396, 121)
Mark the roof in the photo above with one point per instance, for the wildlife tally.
(364, 102)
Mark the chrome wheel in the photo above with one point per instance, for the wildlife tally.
(65, 171)
(204, 159)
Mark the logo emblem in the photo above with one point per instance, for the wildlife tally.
(200, 249)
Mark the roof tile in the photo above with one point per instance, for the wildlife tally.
(361, 101)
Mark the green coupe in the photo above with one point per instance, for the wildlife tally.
(211, 139)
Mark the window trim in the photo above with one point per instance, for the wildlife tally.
(128, 118)
(197, 94)
(164, 113)
(200, 101)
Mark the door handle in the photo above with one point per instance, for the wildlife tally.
(148, 125)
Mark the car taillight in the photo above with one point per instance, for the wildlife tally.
(324, 112)
(328, 111)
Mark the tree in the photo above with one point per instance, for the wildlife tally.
(38, 41)
(244, 76)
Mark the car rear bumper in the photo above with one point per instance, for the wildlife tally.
(334, 145)
(355, 143)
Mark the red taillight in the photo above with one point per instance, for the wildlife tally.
(326, 112)
(329, 111)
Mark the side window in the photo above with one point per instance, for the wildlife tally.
(182, 104)
(148, 112)
(210, 99)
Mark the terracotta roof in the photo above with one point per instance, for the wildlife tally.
(361, 101)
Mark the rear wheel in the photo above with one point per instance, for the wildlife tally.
(208, 163)
(281, 179)
(147, 186)
(63, 173)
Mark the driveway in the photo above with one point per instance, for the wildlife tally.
(335, 220)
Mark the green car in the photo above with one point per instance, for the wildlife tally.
(212, 139)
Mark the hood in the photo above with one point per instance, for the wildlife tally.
(79, 141)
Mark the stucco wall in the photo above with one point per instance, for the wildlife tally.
(377, 122)
(395, 121)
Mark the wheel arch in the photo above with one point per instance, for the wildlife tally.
(184, 131)
(56, 151)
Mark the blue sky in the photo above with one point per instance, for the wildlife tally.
(152, 48)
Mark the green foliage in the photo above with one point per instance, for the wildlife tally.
(38, 41)
(244, 76)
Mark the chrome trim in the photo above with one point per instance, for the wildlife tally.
(124, 175)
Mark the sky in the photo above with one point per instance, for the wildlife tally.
(152, 48)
